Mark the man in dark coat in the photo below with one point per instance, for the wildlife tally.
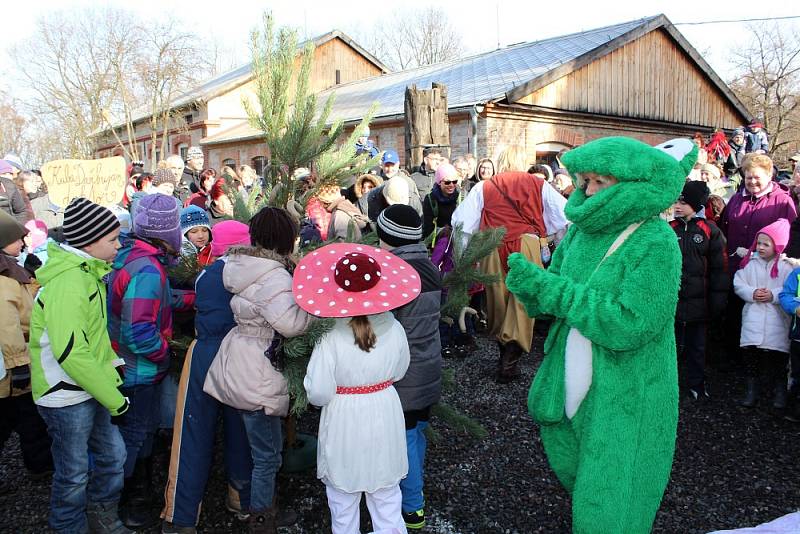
(11, 200)
(189, 178)
(424, 177)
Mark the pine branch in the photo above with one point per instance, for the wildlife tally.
(297, 352)
(464, 274)
(186, 270)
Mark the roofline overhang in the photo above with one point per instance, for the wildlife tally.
(661, 21)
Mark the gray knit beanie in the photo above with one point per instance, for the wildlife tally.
(399, 225)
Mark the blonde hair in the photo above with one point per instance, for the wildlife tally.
(229, 171)
(760, 161)
(512, 158)
(247, 170)
(363, 332)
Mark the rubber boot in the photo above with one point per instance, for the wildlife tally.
(138, 509)
(509, 363)
(751, 393)
(780, 379)
(262, 522)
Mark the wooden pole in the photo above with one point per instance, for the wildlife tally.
(427, 123)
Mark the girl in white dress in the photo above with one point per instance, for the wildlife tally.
(362, 431)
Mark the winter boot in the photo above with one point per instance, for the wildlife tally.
(170, 528)
(509, 360)
(793, 405)
(781, 393)
(262, 522)
(138, 510)
(751, 393)
(234, 504)
(103, 518)
(780, 377)
(284, 517)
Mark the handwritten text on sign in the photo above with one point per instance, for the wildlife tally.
(100, 180)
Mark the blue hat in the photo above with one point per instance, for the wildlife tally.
(193, 217)
(390, 156)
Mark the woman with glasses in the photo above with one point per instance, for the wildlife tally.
(439, 205)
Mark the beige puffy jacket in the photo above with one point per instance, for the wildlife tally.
(16, 301)
(241, 375)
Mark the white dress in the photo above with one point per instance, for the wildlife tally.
(362, 437)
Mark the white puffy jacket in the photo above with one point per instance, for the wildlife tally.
(764, 325)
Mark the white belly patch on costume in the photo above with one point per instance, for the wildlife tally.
(577, 371)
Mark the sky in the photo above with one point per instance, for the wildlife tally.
(483, 23)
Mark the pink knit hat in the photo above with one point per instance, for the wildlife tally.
(37, 231)
(446, 171)
(228, 234)
(779, 233)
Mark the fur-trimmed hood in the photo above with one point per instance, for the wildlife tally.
(248, 265)
(376, 181)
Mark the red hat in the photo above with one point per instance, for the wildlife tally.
(348, 279)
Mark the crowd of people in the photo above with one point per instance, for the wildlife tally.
(91, 304)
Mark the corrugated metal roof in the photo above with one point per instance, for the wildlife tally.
(473, 80)
(234, 78)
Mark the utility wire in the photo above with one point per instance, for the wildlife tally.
(734, 20)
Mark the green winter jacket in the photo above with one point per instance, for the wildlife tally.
(71, 355)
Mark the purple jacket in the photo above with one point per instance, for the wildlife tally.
(744, 216)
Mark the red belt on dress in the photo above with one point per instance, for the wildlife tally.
(362, 390)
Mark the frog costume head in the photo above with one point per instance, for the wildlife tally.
(650, 179)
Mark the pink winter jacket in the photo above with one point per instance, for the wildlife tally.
(241, 375)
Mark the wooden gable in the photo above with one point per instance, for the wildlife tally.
(337, 55)
(651, 77)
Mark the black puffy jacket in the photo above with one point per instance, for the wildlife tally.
(422, 385)
(704, 277)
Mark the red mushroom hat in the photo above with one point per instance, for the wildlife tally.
(348, 279)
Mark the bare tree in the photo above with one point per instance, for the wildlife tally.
(414, 37)
(93, 69)
(768, 82)
(70, 67)
(171, 62)
(15, 128)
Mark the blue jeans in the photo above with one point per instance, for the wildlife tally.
(411, 486)
(168, 399)
(140, 423)
(266, 443)
(76, 431)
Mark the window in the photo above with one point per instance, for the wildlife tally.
(183, 150)
(258, 163)
(338, 76)
(546, 153)
(188, 118)
(230, 163)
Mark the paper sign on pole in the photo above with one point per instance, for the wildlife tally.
(100, 180)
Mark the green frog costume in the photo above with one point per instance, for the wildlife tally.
(606, 394)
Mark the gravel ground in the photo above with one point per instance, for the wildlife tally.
(733, 468)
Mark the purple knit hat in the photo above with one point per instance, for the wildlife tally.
(158, 216)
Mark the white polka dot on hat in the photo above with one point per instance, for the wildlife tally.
(365, 281)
